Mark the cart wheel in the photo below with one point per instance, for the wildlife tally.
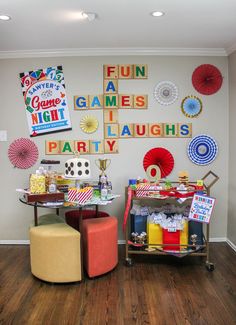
(129, 262)
(210, 266)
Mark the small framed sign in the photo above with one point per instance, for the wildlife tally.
(201, 208)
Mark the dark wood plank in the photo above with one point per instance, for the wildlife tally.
(157, 290)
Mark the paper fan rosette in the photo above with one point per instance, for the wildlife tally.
(160, 157)
(23, 153)
(166, 92)
(191, 106)
(89, 124)
(202, 150)
(207, 79)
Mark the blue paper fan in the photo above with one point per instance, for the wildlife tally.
(202, 150)
(191, 106)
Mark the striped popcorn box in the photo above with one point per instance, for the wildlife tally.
(72, 194)
(84, 195)
(143, 190)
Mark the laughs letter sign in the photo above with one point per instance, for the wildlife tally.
(45, 101)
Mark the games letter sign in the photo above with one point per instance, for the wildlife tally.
(45, 101)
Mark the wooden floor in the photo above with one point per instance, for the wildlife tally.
(157, 290)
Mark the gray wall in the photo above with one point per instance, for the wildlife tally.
(232, 149)
(85, 75)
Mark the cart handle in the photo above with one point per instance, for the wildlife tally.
(127, 208)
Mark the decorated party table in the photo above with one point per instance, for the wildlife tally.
(57, 205)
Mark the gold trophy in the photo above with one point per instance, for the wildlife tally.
(103, 183)
(102, 164)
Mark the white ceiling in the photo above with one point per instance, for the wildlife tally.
(49, 26)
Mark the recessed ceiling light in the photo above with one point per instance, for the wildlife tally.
(81, 15)
(157, 13)
(86, 15)
(89, 15)
(5, 17)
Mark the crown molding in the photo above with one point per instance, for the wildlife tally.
(113, 52)
(231, 49)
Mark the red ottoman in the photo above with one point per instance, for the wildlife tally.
(72, 217)
(100, 246)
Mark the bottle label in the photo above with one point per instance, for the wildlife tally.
(52, 188)
(103, 194)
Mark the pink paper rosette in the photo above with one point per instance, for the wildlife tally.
(23, 153)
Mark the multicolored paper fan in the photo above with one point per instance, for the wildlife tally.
(160, 157)
(191, 106)
(202, 150)
(207, 79)
(23, 153)
(166, 92)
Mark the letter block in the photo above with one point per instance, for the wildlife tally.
(140, 71)
(110, 101)
(170, 130)
(110, 71)
(110, 116)
(82, 146)
(110, 86)
(95, 101)
(125, 71)
(67, 147)
(81, 102)
(111, 146)
(185, 130)
(155, 130)
(140, 130)
(96, 146)
(140, 101)
(52, 147)
(111, 130)
(125, 101)
(126, 130)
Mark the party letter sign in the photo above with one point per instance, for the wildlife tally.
(45, 101)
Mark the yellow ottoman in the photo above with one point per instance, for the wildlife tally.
(55, 253)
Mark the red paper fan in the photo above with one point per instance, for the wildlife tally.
(160, 157)
(207, 79)
(23, 153)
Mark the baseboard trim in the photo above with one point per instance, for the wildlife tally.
(27, 242)
(218, 239)
(120, 242)
(14, 242)
(232, 245)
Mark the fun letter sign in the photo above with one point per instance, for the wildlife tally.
(45, 101)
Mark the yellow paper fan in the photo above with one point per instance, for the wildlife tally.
(89, 124)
